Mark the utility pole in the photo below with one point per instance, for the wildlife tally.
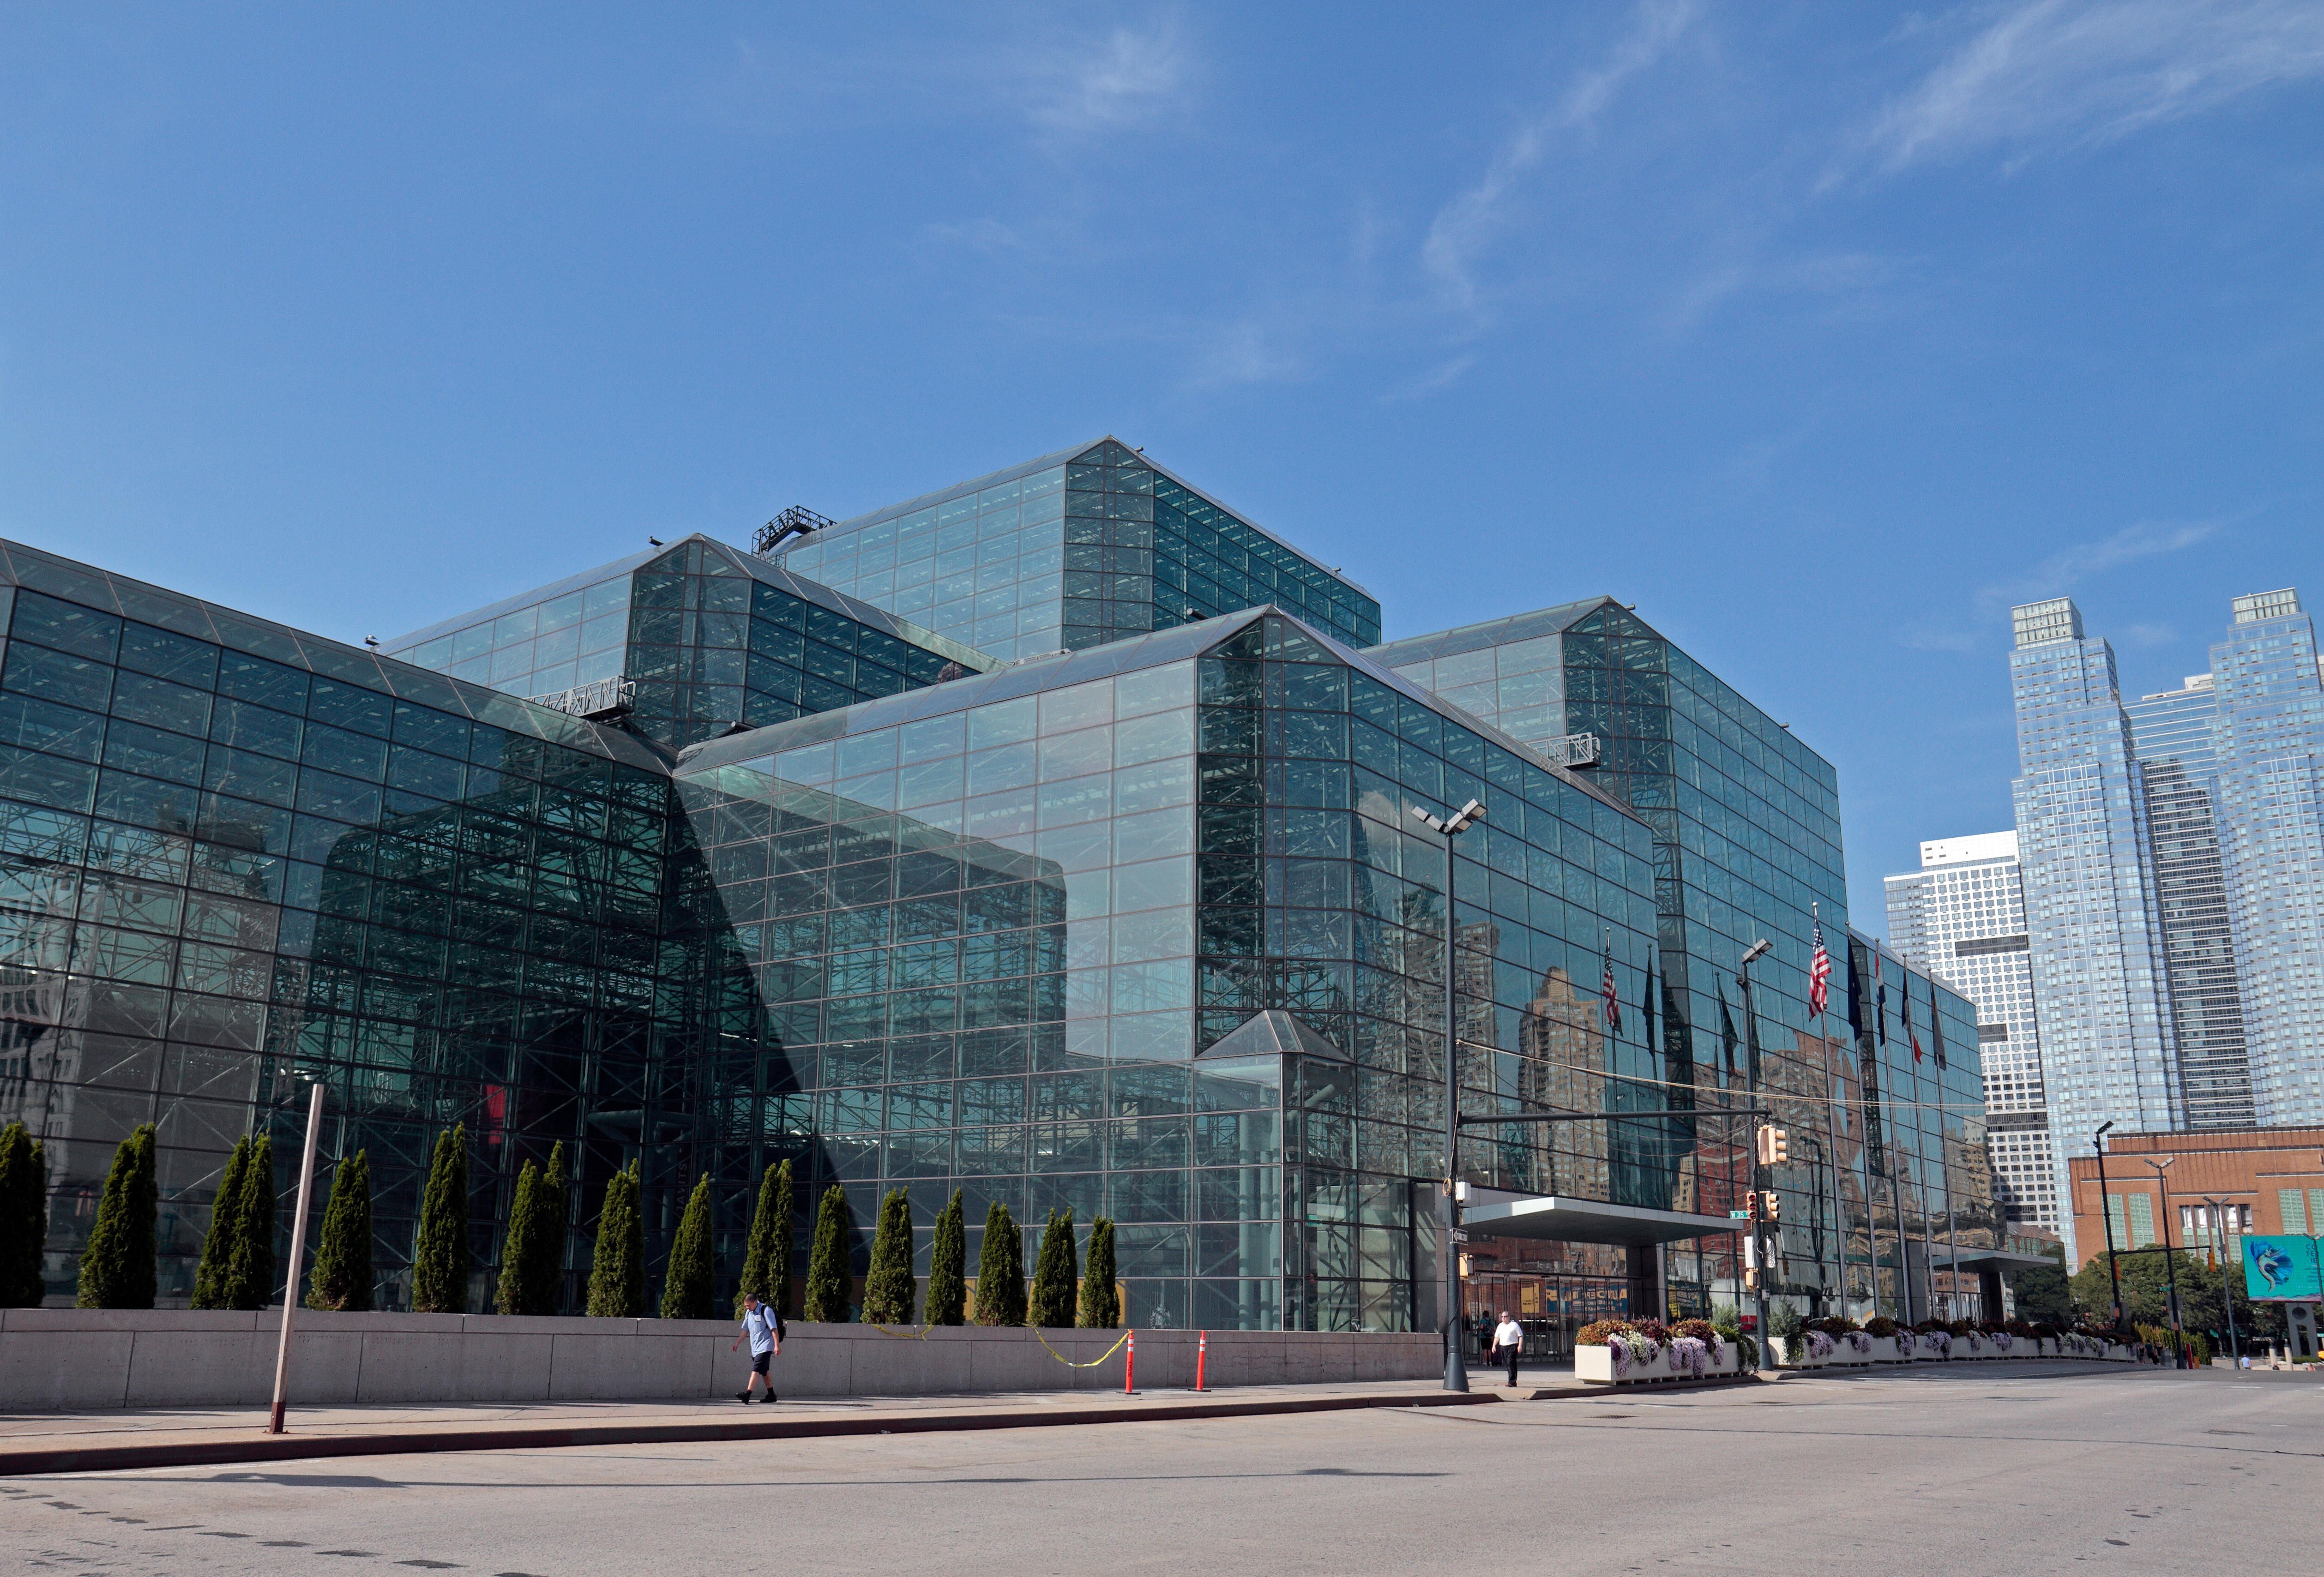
(1759, 1240)
(2106, 1214)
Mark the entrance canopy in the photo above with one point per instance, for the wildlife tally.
(1493, 1214)
(1986, 1259)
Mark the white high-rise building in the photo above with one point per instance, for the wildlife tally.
(1961, 917)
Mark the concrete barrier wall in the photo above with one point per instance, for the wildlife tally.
(68, 1360)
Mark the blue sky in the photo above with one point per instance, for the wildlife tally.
(1821, 333)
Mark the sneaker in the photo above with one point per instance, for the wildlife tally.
(771, 1396)
(743, 1398)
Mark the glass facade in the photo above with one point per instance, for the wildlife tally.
(1063, 853)
(1746, 844)
(1073, 550)
(235, 857)
(712, 639)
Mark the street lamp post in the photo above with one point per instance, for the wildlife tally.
(2170, 1263)
(1759, 950)
(2226, 1292)
(2106, 1214)
(1456, 1361)
(298, 1248)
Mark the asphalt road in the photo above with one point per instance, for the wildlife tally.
(1926, 1471)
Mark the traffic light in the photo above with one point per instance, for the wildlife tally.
(1750, 1278)
(1775, 1147)
(1770, 1206)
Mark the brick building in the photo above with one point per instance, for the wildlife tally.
(2265, 1180)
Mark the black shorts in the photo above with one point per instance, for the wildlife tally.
(759, 1361)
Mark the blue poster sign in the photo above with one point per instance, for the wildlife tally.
(2282, 1268)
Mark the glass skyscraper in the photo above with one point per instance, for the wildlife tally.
(1050, 839)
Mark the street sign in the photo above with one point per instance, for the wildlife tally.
(1460, 1236)
(1738, 1216)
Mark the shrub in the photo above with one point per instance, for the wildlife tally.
(439, 1255)
(544, 1277)
(1100, 1307)
(827, 1272)
(342, 1271)
(1837, 1326)
(1600, 1332)
(24, 1217)
(1880, 1326)
(888, 1292)
(948, 1266)
(213, 1273)
(767, 1257)
(617, 1270)
(689, 1285)
(1000, 1270)
(1784, 1323)
(1701, 1330)
(1653, 1330)
(117, 1268)
(250, 1274)
(1055, 1273)
(517, 1246)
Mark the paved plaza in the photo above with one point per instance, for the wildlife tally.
(2013, 1469)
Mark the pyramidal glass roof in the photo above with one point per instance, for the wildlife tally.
(22, 565)
(1493, 632)
(1054, 672)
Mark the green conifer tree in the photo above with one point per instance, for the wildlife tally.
(617, 1276)
(214, 1274)
(439, 1257)
(827, 1268)
(766, 1256)
(1100, 1307)
(117, 1268)
(948, 1266)
(342, 1269)
(512, 1296)
(1000, 1270)
(689, 1288)
(1053, 1274)
(24, 1217)
(888, 1292)
(544, 1274)
(250, 1274)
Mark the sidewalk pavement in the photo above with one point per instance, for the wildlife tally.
(178, 1437)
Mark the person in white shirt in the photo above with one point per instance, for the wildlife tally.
(764, 1327)
(1509, 1341)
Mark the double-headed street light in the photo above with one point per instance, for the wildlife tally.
(2170, 1260)
(1456, 1362)
(2219, 1234)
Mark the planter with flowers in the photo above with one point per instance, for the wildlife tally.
(1932, 1342)
(1852, 1347)
(1623, 1352)
(1890, 1342)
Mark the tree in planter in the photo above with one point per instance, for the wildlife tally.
(214, 1274)
(767, 1258)
(690, 1286)
(544, 1264)
(1101, 1307)
(24, 1217)
(513, 1297)
(440, 1259)
(1053, 1274)
(117, 1268)
(342, 1278)
(826, 1265)
(1000, 1270)
(948, 1267)
(617, 1273)
(250, 1273)
(888, 1291)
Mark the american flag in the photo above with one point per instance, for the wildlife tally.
(1818, 972)
(1613, 997)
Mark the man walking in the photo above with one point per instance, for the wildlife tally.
(764, 1327)
(1509, 1341)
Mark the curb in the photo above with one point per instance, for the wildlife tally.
(115, 1458)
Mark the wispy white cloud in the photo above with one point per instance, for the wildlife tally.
(2067, 568)
(1133, 76)
(1436, 381)
(2060, 74)
(2150, 634)
(1466, 226)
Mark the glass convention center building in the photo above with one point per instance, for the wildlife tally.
(1048, 838)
